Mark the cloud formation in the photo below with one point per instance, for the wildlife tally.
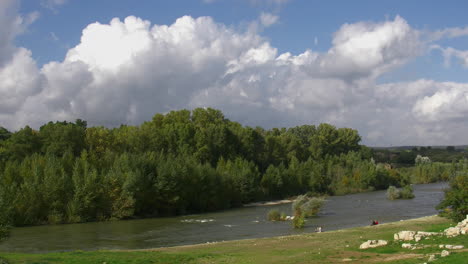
(128, 70)
(268, 19)
(53, 4)
(449, 53)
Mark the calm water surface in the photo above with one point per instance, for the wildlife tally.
(249, 222)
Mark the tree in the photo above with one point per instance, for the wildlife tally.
(21, 144)
(60, 137)
(331, 141)
(4, 133)
(455, 202)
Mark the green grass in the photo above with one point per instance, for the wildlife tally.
(327, 247)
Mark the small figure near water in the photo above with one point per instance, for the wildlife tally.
(318, 229)
(374, 222)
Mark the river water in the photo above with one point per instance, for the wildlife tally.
(248, 222)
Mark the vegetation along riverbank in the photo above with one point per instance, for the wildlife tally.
(340, 246)
(183, 162)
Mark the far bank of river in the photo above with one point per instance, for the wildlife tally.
(249, 222)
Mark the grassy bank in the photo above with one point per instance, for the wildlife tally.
(328, 247)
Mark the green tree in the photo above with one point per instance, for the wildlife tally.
(60, 137)
(21, 144)
(455, 202)
(4, 133)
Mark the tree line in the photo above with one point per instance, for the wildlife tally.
(178, 163)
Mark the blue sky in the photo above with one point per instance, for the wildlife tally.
(394, 70)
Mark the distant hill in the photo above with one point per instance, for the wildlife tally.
(458, 147)
(405, 155)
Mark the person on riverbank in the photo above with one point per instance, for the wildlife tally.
(374, 222)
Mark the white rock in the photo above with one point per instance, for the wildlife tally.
(427, 234)
(404, 235)
(373, 244)
(431, 258)
(417, 238)
(406, 245)
(444, 253)
(454, 247)
(452, 231)
(441, 246)
(464, 230)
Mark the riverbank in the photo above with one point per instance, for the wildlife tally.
(267, 203)
(328, 247)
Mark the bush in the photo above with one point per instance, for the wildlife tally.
(298, 221)
(407, 192)
(312, 206)
(455, 201)
(308, 206)
(393, 193)
(283, 217)
(274, 215)
(305, 206)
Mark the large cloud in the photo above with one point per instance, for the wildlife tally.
(125, 71)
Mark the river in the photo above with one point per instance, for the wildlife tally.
(248, 222)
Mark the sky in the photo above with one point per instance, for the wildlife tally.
(394, 70)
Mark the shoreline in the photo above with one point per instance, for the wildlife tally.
(395, 223)
(335, 246)
(267, 203)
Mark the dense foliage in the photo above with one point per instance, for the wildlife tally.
(305, 206)
(177, 163)
(274, 215)
(455, 203)
(394, 193)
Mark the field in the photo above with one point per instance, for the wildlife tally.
(328, 247)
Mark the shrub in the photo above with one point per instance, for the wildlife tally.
(274, 215)
(283, 217)
(308, 206)
(312, 206)
(455, 201)
(393, 193)
(298, 221)
(305, 206)
(297, 204)
(407, 192)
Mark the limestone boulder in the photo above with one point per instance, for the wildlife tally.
(463, 226)
(407, 245)
(428, 234)
(373, 244)
(452, 231)
(431, 258)
(460, 229)
(454, 246)
(464, 230)
(404, 235)
(444, 253)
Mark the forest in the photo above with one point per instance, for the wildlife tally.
(182, 162)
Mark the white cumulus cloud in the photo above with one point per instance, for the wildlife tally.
(268, 19)
(127, 70)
